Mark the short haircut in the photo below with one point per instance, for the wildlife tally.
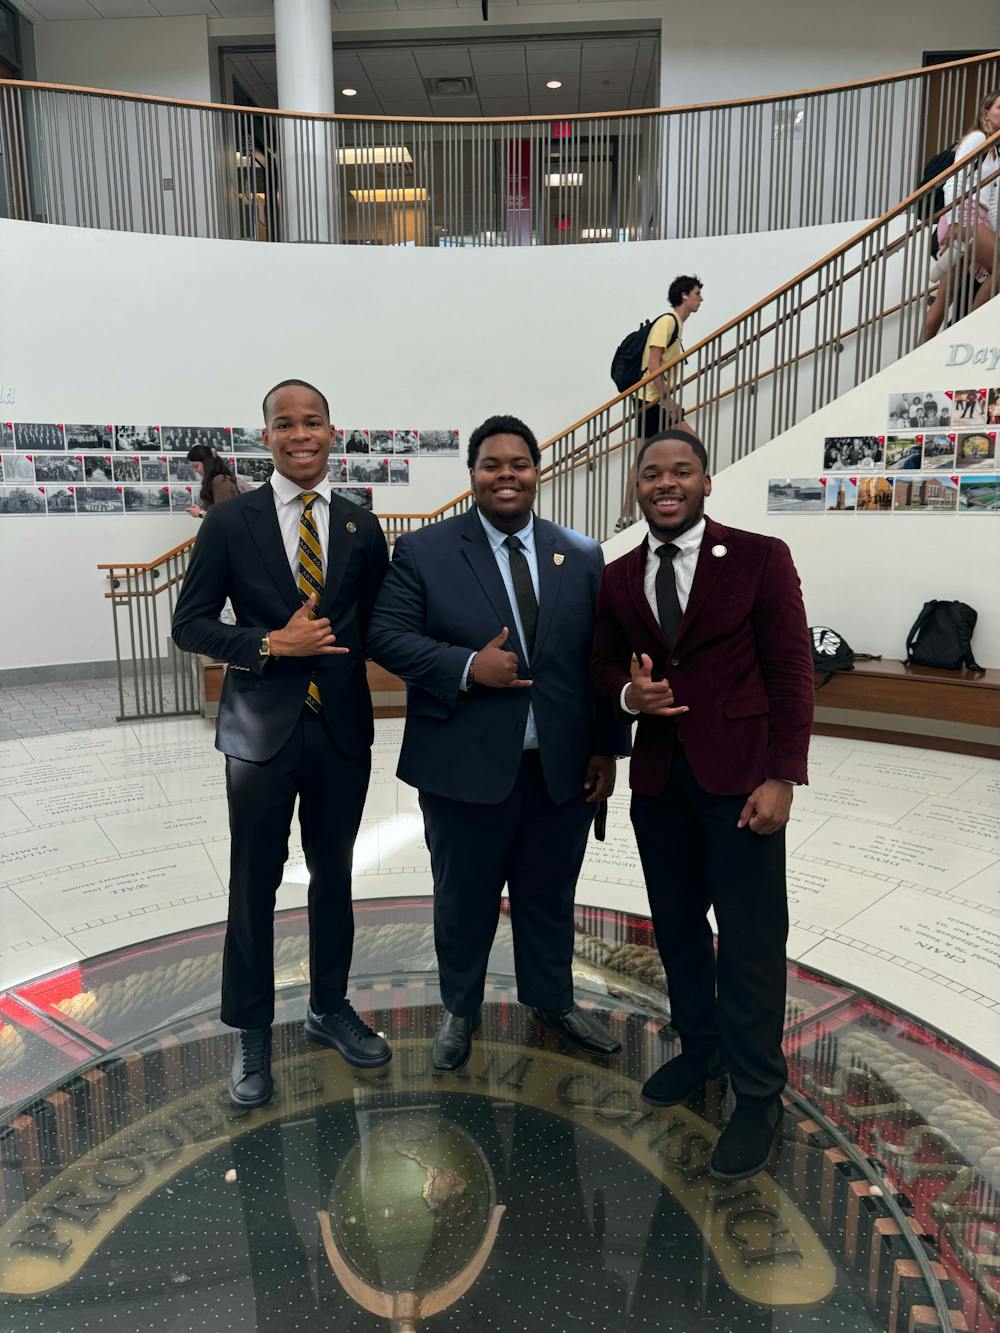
(676, 433)
(300, 384)
(681, 287)
(502, 426)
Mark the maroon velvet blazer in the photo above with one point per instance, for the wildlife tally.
(742, 663)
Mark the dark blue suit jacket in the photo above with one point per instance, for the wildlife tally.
(443, 599)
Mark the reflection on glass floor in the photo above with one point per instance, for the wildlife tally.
(534, 1191)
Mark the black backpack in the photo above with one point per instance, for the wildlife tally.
(942, 637)
(830, 652)
(626, 364)
(938, 163)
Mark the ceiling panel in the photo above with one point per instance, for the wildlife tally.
(443, 62)
(510, 86)
(178, 8)
(244, 8)
(360, 6)
(608, 55)
(550, 58)
(497, 59)
(425, 4)
(65, 9)
(555, 104)
(606, 82)
(455, 107)
(502, 106)
(125, 9)
(404, 109)
(346, 64)
(389, 64)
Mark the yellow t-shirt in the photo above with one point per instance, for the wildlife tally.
(659, 336)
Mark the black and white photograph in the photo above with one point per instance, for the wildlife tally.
(255, 469)
(39, 437)
(6, 435)
(179, 439)
(368, 471)
(406, 442)
(147, 500)
(440, 443)
(841, 495)
(101, 439)
(99, 500)
(795, 495)
(97, 467)
(976, 452)
(127, 469)
(247, 440)
(336, 470)
(60, 500)
(352, 441)
(919, 411)
(58, 467)
(17, 467)
(155, 468)
(968, 408)
(181, 499)
(180, 470)
(137, 439)
(903, 453)
(20, 500)
(399, 472)
(359, 495)
(939, 453)
(383, 441)
(853, 453)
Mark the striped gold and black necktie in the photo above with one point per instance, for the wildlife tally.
(310, 574)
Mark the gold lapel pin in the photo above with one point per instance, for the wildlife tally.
(718, 550)
(557, 559)
(352, 526)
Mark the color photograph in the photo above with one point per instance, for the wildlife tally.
(841, 495)
(36, 437)
(938, 454)
(993, 408)
(919, 411)
(903, 453)
(795, 495)
(99, 438)
(979, 495)
(924, 495)
(976, 452)
(874, 495)
(137, 439)
(968, 408)
(853, 453)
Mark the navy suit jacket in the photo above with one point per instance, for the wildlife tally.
(444, 599)
(240, 554)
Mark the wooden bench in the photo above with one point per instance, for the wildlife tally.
(888, 686)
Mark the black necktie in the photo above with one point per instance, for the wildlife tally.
(668, 606)
(524, 591)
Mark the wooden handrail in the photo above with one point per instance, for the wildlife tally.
(153, 564)
(761, 100)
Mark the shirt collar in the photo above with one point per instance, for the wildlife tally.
(285, 491)
(497, 538)
(688, 543)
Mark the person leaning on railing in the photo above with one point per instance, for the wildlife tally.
(974, 216)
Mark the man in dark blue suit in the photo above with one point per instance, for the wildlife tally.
(488, 618)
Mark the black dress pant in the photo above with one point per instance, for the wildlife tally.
(694, 857)
(533, 846)
(331, 788)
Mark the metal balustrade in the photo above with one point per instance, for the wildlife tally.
(94, 158)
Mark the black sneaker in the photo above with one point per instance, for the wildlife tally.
(680, 1077)
(746, 1143)
(250, 1082)
(348, 1034)
(452, 1045)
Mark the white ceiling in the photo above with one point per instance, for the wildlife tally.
(41, 10)
(506, 78)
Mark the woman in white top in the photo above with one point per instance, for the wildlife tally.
(974, 216)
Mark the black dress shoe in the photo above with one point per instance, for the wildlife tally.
(348, 1034)
(745, 1144)
(685, 1074)
(453, 1042)
(250, 1082)
(581, 1028)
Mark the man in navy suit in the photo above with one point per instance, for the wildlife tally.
(302, 567)
(488, 617)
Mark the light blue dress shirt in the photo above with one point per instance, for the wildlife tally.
(502, 556)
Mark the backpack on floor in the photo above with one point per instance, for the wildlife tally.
(941, 636)
(626, 364)
(830, 653)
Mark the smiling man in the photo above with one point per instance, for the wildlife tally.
(723, 691)
(302, 568)
(488, 619)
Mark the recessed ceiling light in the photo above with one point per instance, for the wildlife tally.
(554, 83)
(349, 92)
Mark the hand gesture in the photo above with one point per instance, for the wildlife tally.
(305, 636)
(649, 695)
(767, 808)
(496, 667)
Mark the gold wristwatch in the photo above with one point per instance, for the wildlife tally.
(265, 648)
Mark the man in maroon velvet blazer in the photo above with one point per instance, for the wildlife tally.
(723, 691)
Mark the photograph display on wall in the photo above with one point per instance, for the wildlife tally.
(18, 467)
(336, 470)
(179, 439)
(368, 471)
(137, 439)
(353, 441)
(399, 472)
(968, 408)
(248, 440)
(976, 451)
(179, 470)
(147, 499)
(181, 499)
(254, 469)
(924, 495)
(938, 453)
(58, 467)
(100, 439)
(439, 443)
(154, 468)
(841, 495)
(993, 408)
(853, 453)
(6, 435)
(60, 499)
(903, 453)
(874, 495)
(22, 500)
(37, 437)
(978, 494)
(127, 469)
(406, 442)
(795, 495)
(97, 467)
(359, 495)
(99, 500)
(382, 441)
(919, 411)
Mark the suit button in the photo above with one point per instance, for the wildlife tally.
(520, 730)
(675, 661)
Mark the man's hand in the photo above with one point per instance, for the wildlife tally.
(304, 636)
(673, 410)
(768, 808)
(196, 511)
(600, 780)
(494, 667)
(649, 695)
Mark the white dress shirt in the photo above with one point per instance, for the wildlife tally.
(685, 564)
(501, 555)
(288, 507)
